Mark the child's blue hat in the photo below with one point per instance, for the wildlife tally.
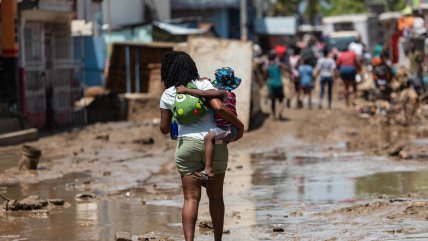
(225, 79)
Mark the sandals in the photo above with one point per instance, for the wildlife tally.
(203, 176)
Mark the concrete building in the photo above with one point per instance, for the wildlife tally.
(47, 82)
(224, 14)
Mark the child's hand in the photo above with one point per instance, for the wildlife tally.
(181, 89)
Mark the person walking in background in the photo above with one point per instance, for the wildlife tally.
(326, 69)
(415, 68)
(306, 80)
(357, 47)
(294, 65)
(274, 83)
(382, 76)
(178, 68)
(348, 65)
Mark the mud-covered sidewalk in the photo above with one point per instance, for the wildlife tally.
(319, 175)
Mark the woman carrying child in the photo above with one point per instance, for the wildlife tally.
(178, 68)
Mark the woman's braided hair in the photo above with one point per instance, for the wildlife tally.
(178, 68)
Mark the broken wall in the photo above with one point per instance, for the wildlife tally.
(211, 54)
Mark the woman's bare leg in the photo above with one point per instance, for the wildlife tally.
(215, 195)
(192, 196)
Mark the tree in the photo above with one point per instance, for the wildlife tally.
(395, 5)
(285, 8)
(340, 7)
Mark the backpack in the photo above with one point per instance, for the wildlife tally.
(188, 108)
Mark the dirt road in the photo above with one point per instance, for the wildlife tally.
(320, 175)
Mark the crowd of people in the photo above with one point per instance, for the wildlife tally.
(291, 72)
(204, 128)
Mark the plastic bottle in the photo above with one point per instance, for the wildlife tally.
(174, 130)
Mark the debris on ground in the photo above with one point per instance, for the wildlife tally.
(29, 203)
(144, 141)
(206, 225)
(30, 156)
(276, 154)
(278, 230)
(85, 196)
(123, 236)
(152, 236)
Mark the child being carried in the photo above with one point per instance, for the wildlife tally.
(225, 81)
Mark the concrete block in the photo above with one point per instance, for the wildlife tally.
(18, 137)
(227, 53)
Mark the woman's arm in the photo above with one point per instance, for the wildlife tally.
(165, 121)
(228, 115)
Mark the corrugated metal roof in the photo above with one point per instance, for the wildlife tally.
(276, 26)
(178, 30)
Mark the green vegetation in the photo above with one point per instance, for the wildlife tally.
(395, 5)
(338, 7)
(285, 8)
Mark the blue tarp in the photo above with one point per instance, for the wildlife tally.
(93, 57)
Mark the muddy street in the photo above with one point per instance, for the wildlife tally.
(313, 176)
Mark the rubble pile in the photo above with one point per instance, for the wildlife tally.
(404, 105)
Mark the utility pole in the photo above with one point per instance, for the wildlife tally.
(244, 25)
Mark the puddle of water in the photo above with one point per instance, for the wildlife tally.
(9, 158)
(288, 191)
(98, 219)
(325, 177)
(420, 142)
(392, 183)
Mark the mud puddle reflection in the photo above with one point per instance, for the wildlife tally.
(96, 219)
(302, 190)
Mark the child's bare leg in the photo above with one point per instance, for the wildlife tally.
(209, 142)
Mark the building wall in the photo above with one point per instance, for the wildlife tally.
(123, 12)
(225, 20)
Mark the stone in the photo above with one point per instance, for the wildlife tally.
(103, 137)
(56, 201)
(403, 155)
(123, 236)
(395, 150)
(144, 141)
(84, 196)
(207, 225)
(278, 230)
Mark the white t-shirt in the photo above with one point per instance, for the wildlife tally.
(326, 66)
(357, 48)
(198, 129)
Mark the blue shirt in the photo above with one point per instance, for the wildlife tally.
(306, 78)
(274, 75)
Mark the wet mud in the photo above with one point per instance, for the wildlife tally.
(318, 176)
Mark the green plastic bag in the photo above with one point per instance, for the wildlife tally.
(188, 108)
